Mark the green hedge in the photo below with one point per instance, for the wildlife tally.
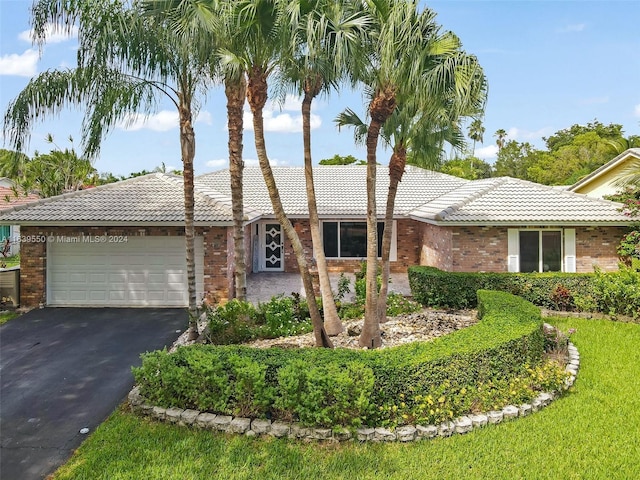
(557, 291)
(342, 387)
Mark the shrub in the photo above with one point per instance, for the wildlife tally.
(326, 395)
(283, 316)
(435, 288)
(233, 322)
(618, 293)
(339, 387)
(250, 394)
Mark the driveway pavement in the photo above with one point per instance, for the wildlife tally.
(63, 369)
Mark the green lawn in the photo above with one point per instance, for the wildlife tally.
(592, 433)
(6, 316)
(13, 261)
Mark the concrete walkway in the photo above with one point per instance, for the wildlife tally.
(264, 285)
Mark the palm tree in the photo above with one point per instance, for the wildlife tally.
(125, 62)
(421, 126)
(214, 21)
(476, 133)
(326, 37)
(261, 28)
(403, 53)
(501, 135)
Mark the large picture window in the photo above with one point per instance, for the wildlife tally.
(347, 239)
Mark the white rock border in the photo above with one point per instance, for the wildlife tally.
(252, 427)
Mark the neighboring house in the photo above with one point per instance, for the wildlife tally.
(122, 244)
(9, 199)
(601, 182)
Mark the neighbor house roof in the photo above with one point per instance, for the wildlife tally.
(506, 200)
(9, 199)
(609, 167)
(341, 193)
(149, 199)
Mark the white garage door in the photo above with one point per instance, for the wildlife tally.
(141, 271)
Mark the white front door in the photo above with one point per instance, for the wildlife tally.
(271, 247)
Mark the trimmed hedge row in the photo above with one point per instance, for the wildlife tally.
(557, 291)
(342, 387)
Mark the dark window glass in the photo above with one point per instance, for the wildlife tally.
(330, 239)
(380, 233)
(353, 239)
(551, 252)
(529, 251)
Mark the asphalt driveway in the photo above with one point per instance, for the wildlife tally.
(63, 369)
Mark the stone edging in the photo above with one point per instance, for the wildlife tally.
(405, 433)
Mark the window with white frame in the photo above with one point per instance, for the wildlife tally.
(348, 239)
(543, 250)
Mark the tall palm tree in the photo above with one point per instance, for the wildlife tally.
(501, 135)
(126, 61)
(476, 133)
(261, 27)
(417, 132)
(326, 38)
(407, 49)
(213, 21)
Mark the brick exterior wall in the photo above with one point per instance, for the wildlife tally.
(33, 258)
(436, 247)
(597, 246)
(479, 249)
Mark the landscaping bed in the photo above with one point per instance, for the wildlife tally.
(494, 363)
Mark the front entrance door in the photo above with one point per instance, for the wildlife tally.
(272, 247)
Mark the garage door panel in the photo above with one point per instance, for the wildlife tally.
(145, 271)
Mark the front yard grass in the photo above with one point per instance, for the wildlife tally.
(13, 261)
(592, 433)
(6, 316)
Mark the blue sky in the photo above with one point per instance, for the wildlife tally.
(550, 64)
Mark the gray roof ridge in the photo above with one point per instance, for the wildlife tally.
(214, 197)
(75, 193)
(491, 183)
(217, 200)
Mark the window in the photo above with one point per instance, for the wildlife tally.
(542, 250)
(349, 239)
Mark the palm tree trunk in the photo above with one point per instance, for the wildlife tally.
(381, 108)
(188, 151)
(235, 90)
(332, 323)
(396, 170)
(257, 97)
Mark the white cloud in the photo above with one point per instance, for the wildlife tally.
(162, 121)
(204, 117)
(21, 65)
(217, 163)
(281, 122)
(54, 34)
(490, 151)
(572, 28)
(636, 110)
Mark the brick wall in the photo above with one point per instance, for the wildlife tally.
(597, 246)
(33, 260)
(479, 249)
(436, 247)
